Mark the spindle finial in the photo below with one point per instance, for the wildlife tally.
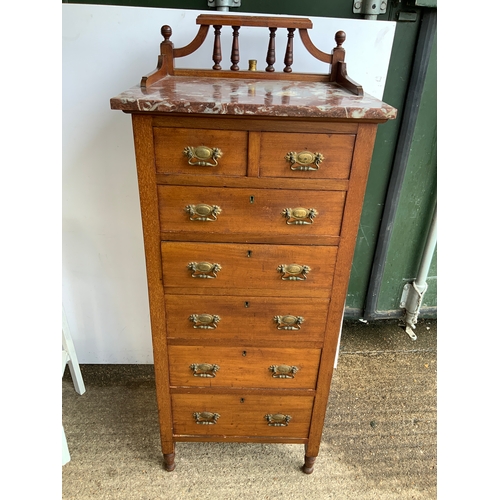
(339, 38)
(166, 32)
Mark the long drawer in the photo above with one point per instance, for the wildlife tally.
(275, 368)
(237, 269)
(280, 319)
(263, 212)
(241, 415)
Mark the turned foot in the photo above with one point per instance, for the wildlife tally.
(308, 466)
(168, 459)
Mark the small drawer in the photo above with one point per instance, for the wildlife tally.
(200, 152)
(241, 415)
(274, 368)
(212, 317)
(236, 269)
(261, 213)
(306, 156)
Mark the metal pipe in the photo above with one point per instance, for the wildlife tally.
(415, 291)
(430, 246)
(412, 104)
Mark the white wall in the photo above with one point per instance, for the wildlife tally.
(107, 49)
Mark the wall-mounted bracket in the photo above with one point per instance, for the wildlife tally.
(223, 5)
(370, 8)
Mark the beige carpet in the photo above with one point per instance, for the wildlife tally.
(379, 439)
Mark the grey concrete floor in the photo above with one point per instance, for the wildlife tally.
(379, 438)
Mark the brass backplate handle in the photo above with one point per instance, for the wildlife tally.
(304, 161)
(299, 215)
(283, 371)
(204, 269)
(205, 370)
(277, 420)
(206, 417)
(199, 156)
(293, 272)
(288, 322)
(204, 321)
(203, 212)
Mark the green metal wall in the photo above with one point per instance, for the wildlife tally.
(416, 205)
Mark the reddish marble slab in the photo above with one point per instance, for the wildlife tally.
(228, 96)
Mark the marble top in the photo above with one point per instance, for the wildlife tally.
(252, 97)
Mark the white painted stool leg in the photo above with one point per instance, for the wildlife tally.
(69, 347)
(69, 358)
(65, 450)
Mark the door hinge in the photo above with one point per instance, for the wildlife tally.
(370, 8)
(223, 5)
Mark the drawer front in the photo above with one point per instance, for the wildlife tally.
(289, 270)
(211, 317)
(267, 213)
(241, 415)
(195, 152)
(334, 163)
(206, 366)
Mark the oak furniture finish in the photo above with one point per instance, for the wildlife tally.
(251, 186)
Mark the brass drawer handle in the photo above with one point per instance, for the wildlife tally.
(299, 215)
(293, 272)
(277, 420)
(204, 321)
(204, 269)
(204, 370)
(198, 156)
(283, 371)
(206, 418)
(203, 212)
(289, 322)
(305, 160)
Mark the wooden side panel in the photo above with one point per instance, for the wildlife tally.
(354, 204)
(144, 150)
(243, 367)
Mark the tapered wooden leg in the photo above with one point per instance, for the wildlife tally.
(168, 459)
(308, 466)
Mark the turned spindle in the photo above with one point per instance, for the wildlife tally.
(217, 55)
(339, 39)
(338, 55)
(166, 32)
(289, 52)
(166, 51)
(235, 49)
(271, 53)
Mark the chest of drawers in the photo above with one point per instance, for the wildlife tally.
(251, 191)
